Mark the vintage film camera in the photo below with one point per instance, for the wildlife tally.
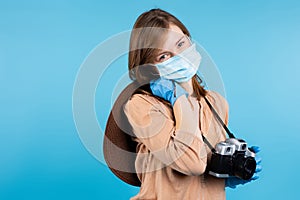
(232, 158)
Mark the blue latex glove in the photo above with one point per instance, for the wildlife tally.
(167, 89)
(232, 182)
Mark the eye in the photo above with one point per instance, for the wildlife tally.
(180, 44)
(163, 57)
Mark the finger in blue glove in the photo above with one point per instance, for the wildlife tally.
(167, 89)
(256, 149)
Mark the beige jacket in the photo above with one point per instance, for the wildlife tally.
(171, 163)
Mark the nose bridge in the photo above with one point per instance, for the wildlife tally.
(176, 52)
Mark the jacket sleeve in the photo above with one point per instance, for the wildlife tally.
(182, 150)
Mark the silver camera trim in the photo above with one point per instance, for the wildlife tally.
(239, 144)
(249, 153)
(218, 175)
(222, 148)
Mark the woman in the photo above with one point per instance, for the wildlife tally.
(170, 117)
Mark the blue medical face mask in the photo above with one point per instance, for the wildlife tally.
(181, 67)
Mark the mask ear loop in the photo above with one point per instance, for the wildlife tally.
(198, 72)
(203, 82)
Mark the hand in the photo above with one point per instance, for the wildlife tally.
(167, 89)
(232, 182)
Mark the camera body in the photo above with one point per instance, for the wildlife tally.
(232, 158)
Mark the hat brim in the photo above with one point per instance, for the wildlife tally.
(118, 147)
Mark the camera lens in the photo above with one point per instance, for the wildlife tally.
(249, 168)
(244, 167)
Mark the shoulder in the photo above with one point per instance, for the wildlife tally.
(217, 100)
(216, 96)
(142, 100)
(141, 104)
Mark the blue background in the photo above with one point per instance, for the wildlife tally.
(255, 45)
